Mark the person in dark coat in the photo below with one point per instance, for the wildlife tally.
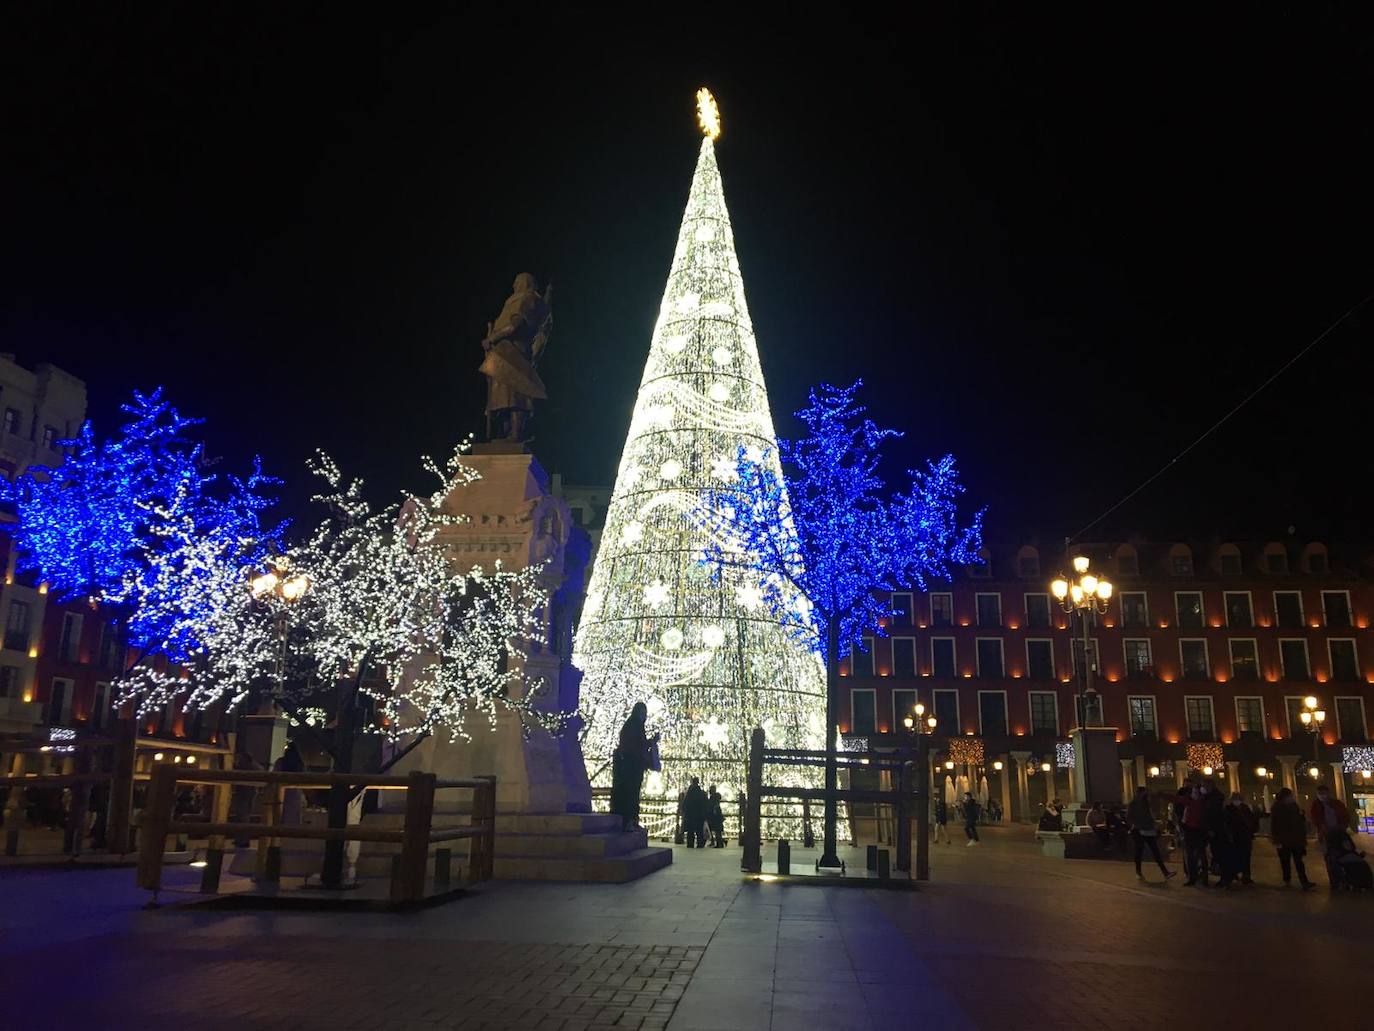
(972, 810)
(1243, 824)
(715, 818)
(1144, 831)
(1288, 832)
(628, 763)
(694, 806)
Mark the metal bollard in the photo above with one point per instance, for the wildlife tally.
(784, 857)
(443, 867)
(872, 856)
(209, 877)
(884, 868)
(272, 872)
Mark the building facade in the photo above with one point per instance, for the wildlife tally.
(1202, 661)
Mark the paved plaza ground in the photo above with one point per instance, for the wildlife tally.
(1001, 938)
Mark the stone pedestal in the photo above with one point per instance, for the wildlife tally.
(1096, 769)
(514, 520)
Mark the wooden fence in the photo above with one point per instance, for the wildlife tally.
(910, 770)
(415, 836)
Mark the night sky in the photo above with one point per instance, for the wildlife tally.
(1059, 249)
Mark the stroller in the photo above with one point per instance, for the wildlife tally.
(1345, 865)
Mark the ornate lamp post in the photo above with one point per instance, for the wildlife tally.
(1085, 595)
(1312, 718)
(918, 723)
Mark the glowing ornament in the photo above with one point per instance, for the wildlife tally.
(713, 733)
(675, 344)
(723, 468)
(748, 597)
(671, 639)
(633, 533)
(719, 392)
(656, 594)
(722, 356)
(670, 470)
(713, 636)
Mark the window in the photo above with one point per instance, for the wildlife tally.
(59, 709)
(1142, 712)
(1244, 659)
(861, 658)
(111, 652)
(70, 645)
(12, 421)
(903, 705)
(1292, 705)
(1316, 562)
(1040, 659)
(1336, 608)
(1288, 609)
(942, 656)
(904, 656)
(1028, 566)
(1238, 611)
(1128, 563)
(1200, 723)
(1293, 653)
(1276, 562)
(1078, 655)
(1230, 563)
(989, 609)
(9, 682)
(1044, 713)
(1134, 610)
(901, 610)
(1038, 610)
(1344, 667)
(100, 713)
(942, 610)
(1193, 659)
(990, 658)
(1138, 660)
(1181, 564)
(863, 700)
(1350, 719)
(50, 438)
(992, 713)
(947, 712)
(1250, 717)
(1189, 604)
(17, 629)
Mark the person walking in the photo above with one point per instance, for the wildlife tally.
(972, 810)
(1288, 832)
(628, 763)
(1243, 825)
(1145, 832)
(941, 819)
(715, 818)
(694, 806)
(1195, 833)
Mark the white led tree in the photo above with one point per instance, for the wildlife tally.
(704, 652)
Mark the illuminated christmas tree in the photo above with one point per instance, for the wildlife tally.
(703, 651)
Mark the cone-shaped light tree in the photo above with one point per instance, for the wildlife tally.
(709, 658)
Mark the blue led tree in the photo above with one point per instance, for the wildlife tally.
(824, 535)
(136, 522)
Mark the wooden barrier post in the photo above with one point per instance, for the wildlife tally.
(269, 846)
(415, 836)
(119, 818)
(752, 861)
(482, 847)
(157, 817)
(903, 812)
(214, 851)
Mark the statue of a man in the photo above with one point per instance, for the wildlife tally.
(513, 345)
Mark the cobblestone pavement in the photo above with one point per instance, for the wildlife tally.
(1002, 937)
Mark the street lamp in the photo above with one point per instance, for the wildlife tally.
(1085, 595)
(278, 583)
(917, 723)
(1312, 718)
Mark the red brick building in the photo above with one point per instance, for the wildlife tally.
(1213, 644)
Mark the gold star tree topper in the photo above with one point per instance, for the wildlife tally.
(708, 114)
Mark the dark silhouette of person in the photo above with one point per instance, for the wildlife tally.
(715, 817)
(628, 763)
(694, 807)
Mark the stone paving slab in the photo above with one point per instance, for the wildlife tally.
(1002, 937)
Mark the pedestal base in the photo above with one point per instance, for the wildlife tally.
(1096, 769)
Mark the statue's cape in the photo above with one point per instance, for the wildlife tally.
(507, 365)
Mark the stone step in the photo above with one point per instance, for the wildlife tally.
(613, 869)
(557, 823)
(570, 845)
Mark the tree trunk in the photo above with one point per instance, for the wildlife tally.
(829, 858)
(340, 795)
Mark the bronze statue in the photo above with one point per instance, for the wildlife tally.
(513, 345)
